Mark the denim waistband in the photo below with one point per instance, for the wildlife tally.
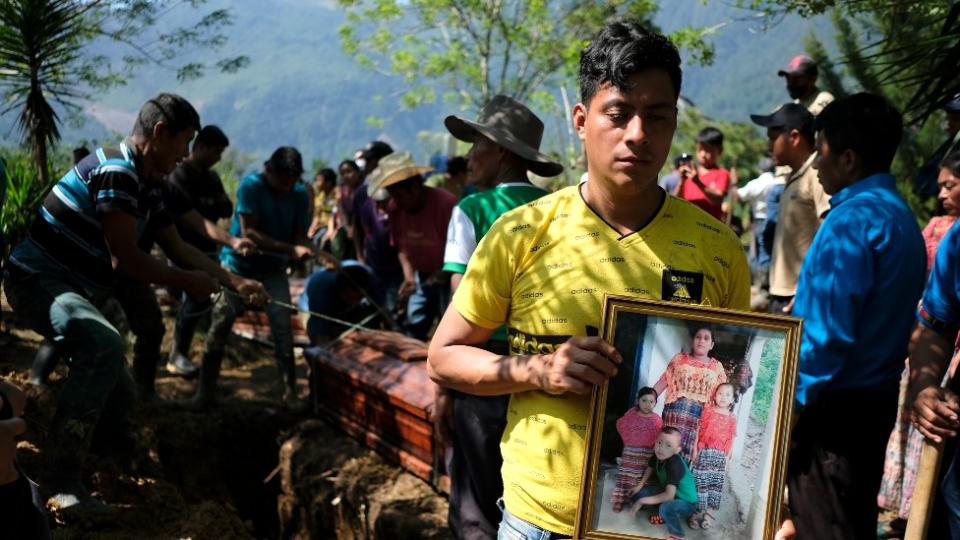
(525, 528)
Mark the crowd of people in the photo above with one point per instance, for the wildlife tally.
(505, 280)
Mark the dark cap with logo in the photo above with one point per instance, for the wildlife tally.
(789, 116)
(800, 64)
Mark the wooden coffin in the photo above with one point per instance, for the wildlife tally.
(374, 385)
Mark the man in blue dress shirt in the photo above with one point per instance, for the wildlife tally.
(857, 294)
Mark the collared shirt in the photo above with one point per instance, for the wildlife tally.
(67, 239)
(816, 101)
(858, 290)
(802, 205)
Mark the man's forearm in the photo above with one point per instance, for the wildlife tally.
(148, 269)
(409, 274)
(187, 256)
(267, 243)
(455, 279)
(930, 353)
(205, 227)
(475, 371)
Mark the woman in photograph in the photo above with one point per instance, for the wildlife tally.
(638, 428)
(689, 383)
(718, 427)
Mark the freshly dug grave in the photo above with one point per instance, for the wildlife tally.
(215, 474)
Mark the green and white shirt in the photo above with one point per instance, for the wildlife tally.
(475, 214)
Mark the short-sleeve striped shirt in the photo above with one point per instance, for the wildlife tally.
(67, 238)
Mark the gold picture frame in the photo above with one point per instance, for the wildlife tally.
(758, 354)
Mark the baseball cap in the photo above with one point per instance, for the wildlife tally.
(376, 150)
(800, 64)
(790, 116)
(953, 106)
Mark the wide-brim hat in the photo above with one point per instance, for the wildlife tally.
(511, 125)
(394, 168)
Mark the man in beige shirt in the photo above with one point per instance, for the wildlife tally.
(801, 76)
(803, 203)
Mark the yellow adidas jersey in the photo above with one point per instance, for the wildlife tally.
(543, 269)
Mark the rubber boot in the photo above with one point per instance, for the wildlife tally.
(145, 375)
(44, 363)
(206, 395)
(68, 443)
(288, 375)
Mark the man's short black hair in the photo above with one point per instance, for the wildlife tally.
(710, 136)
(285, 160)
(212, 137)
(350, 163)
(174, 111)
(865, 123)
(621, 49)
(79, 153)
(456, 165)
(328, 174)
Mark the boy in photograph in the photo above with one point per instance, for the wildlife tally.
(706, 183)
(668, 483)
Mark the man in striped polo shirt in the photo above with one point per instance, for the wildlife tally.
(87, 231)
(506, 142)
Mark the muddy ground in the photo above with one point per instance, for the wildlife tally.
(218, 474)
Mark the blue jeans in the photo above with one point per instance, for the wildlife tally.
(425, 306)
(950, 488)
(762, 260)
(98, 380)
(514, 528)
(674, 512)
(229, 307)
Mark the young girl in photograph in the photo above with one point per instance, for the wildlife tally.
(638, 428)
(718, 427)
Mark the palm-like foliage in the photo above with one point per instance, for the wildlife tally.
(40, 64)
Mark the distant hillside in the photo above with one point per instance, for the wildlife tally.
(300, 89)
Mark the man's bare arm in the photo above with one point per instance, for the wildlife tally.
(456, 361)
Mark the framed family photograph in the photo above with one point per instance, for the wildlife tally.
(690, 438)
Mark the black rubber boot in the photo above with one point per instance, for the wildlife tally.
(206, 395)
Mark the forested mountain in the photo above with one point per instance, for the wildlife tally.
(301, 89)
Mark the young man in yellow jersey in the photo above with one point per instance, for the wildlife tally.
(544, 267)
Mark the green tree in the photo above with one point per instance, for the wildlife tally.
(476, 49)
(905, 51)
(913, 46)
(47, 56)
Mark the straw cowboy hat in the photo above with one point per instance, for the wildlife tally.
(393, 169)
(508, 123)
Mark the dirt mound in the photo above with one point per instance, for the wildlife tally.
(215, 475)
(333, 487)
